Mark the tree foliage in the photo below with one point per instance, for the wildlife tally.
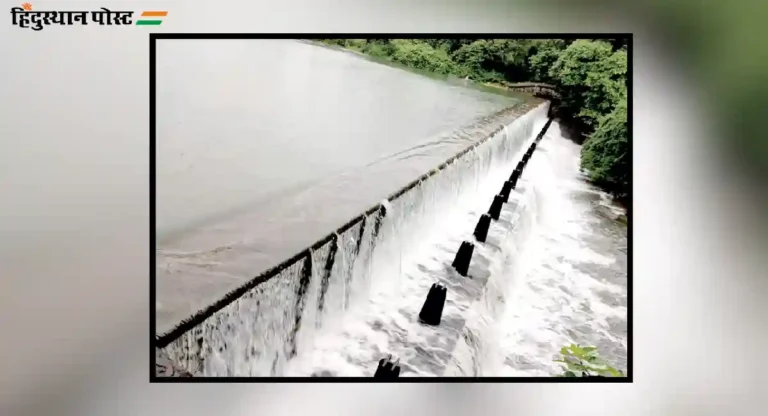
(544, 54)
(494, 59)
(592, 78)
(590, 75)
(420, 55)
(606, 154)
(585, 362)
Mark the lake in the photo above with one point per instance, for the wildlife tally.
(264, 146)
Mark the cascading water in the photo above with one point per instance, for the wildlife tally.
(356, 298)
(570, 285)
(419, 237)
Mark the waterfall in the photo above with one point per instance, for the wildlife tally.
(379, 268)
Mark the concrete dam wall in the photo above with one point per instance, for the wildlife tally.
(259, 327)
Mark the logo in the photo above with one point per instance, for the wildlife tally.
(154, 18)
(26, 17)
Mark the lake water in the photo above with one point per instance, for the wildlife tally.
(265, 146)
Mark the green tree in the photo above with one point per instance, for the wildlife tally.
(592, 78)
(420, 55)
(494, 59)
(448, 45)
(510, 57)
(605, 155)
(470, 58)
(379, 47)
(544, 54)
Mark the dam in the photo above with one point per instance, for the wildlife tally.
(319, 267)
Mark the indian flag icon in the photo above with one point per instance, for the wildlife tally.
(151, 18)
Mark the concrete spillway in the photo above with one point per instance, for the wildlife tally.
(380, 264)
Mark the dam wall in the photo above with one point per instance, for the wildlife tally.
(257, 328)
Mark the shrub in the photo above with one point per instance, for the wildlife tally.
(420, 55)
(591, 77)
(605, 155)
(585, 362)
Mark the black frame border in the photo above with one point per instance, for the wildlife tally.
(154, 37)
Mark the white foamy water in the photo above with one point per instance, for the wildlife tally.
(420, 237)
(552, 272)
(571, 286)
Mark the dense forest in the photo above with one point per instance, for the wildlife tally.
(590, 75)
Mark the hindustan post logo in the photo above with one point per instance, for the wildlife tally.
(25, 16)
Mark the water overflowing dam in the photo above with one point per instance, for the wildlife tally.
(259, 327)
(335, 307)
(251, 146)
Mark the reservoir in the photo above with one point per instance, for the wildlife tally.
(264, 146)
